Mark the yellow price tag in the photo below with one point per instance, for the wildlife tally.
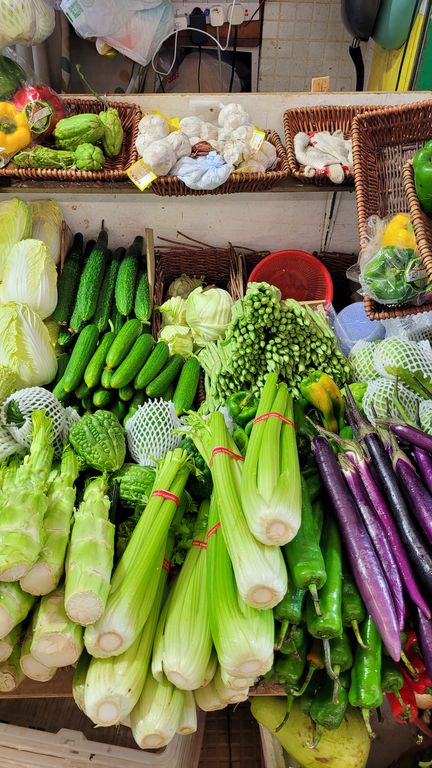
(257, 139)
(141, 175)
(174, 122)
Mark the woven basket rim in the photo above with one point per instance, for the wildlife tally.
(172, 186)
(127, 110)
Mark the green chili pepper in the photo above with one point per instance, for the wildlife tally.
(294, 641)
(288, 669)
(366, 691)
(318, 516)
(353, 610)
(329, 623)
(315, 658)
(241, 440)
(327, 714)
(341, 658)
(291, 607)
(422, 164)
(303, 553)
(248, 427)
(242, 407)
(346, 433)
(311, 691)
(392, 679)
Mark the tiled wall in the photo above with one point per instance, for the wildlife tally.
(302, 40)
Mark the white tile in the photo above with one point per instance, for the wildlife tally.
(271, 11)
(302, 30)
(283, 83)
(321, 12)
(314, 69)
(266, 84)
(270, 29)
(267, 66)
(285, 30)
(298, 51)
(287, 11)
(336, 32)
(318, 30)
(268, 48)
(335, 12)
(284, 66)
(298, 83)
(304, 11)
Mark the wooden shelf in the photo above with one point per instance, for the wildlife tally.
(60, 687)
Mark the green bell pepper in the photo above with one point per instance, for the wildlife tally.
(242, 407)
(389, 277)
(422, 164)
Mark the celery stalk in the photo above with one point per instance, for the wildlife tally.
(158, 645)
(79, 679)
(46, 573)
(209, 699)
(90, 556)
(187, 642)
(211, 668)
(271, 490)
(235, 683)
(29, 665)
(130, 600)
(8, 643)
(189, 721)
(57, 641)
(15, 605)
(243, 636)
(229, 695)
(113, 686)
(11, 674)
(157, 715)
(21, 521)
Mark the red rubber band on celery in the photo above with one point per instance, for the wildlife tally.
(278, 415)
(213, 530)
(221, 449)
(200, 544)
(166, 565)
(166, 495)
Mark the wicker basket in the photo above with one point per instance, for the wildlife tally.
(307, 119)
(421, 222)
(337, 264)
(114, 168)
(383, 141)
(171, 186)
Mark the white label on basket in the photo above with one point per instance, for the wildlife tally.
(141, 175)
(257, 139)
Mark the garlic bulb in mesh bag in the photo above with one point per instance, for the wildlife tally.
(266, 155)
(209, 132)
(151, 128)
(235, 152)
(379, 395)
(160, 157)
(150, 432)
(16, 413)
(250, 166)
(232, 116)
(191, 126)
(243, 132)
(180, 144)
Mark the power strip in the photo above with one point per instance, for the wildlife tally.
(182, 9)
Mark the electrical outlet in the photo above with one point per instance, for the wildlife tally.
(217, 15)
(251, 8)
(236, 14)
(320, 85)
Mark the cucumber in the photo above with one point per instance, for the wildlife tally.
(168, 394)
(102, 398)
(187, 386)
(133, 362)
(106, 378)
(138, 398)
(82, 353)
(90, 244)
(87, 404)
(94, 370)
(68, 281)
(152, 366)
(120, 409)
(142, 306)
(59, 391)
(117, 319)
(62, 362)
(126, 393)
(127, 276)
(65, 337)
(123, 343)
(169, 372)
(83, 391)
(106, 296)
(90, 283)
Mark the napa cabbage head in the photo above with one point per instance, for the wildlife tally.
(208, 314)
(15, 225)
(30, 277)
(25, 346)
(47, 221)
(179, 339)
(173, 311)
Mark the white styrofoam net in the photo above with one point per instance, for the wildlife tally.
(362, 360)
(8, 446)
(150, 432)
(29, 400)
(425, 414)
(411, 356)
(414, 327)
(380, 392)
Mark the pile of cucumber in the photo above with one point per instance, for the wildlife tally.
(110, 361)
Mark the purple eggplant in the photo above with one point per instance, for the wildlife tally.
(380, 506)
(424, 629)
(419, 499)
(412, 435)
(366, 568)
(377, 535)
(424, 465)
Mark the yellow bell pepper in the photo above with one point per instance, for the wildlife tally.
(399, 232)
(14, 129)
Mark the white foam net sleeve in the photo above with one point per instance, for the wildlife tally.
(380, 392)
(414, 327)
(425, 414)
(362, 360)
(150, 432)
(399, 353)
(8, 446)
(29, 400)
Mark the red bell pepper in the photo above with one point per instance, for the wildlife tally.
(42, 107)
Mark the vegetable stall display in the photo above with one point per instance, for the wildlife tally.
(182, 551)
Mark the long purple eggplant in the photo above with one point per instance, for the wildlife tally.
(424, 465)
(412, 435)
(366, 568)
(417, 552)
(416, 494)
(377, 535)
(389, 526)
(424, 627)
